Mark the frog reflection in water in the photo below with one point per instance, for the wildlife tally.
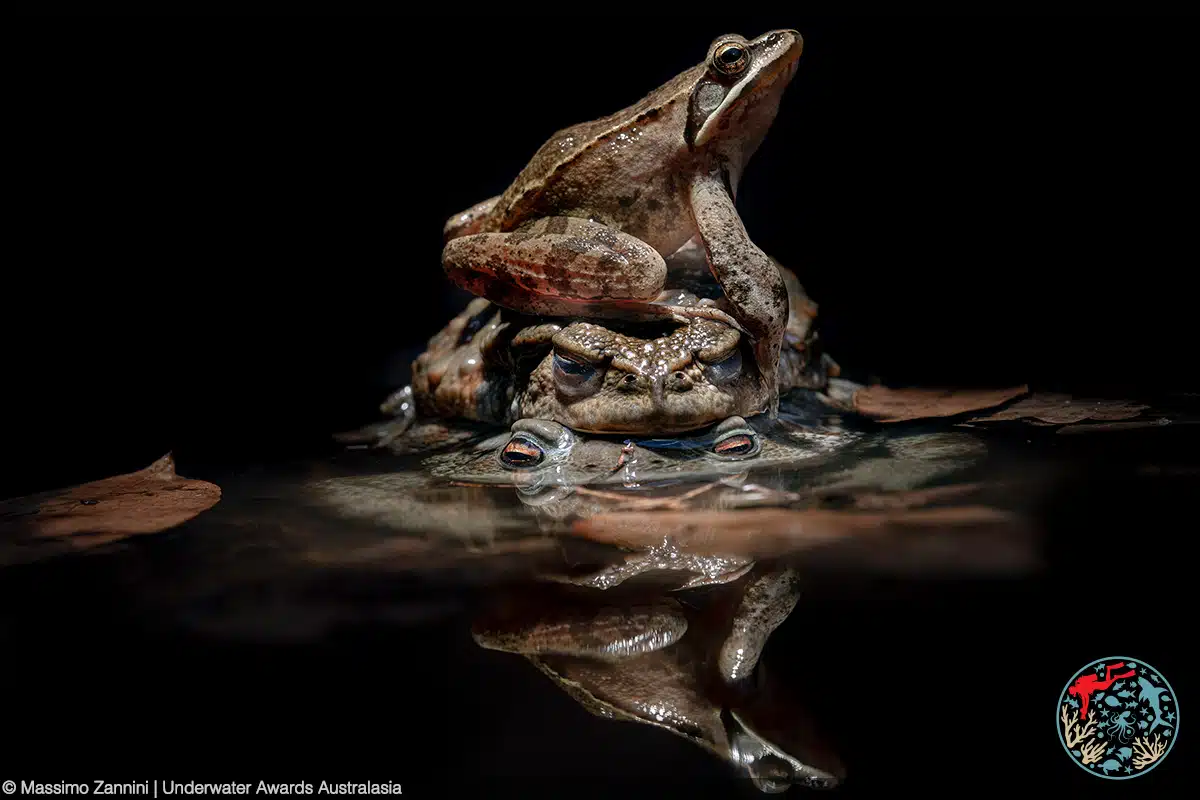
(573, 476)
(690, 668)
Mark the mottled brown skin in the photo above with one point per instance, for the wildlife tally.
(494, 366)
(584, 229)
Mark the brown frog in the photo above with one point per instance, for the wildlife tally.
(585, 228)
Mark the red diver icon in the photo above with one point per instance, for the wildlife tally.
(1085, 685)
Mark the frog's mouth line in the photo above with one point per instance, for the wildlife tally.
(752, 86)
(709, 442)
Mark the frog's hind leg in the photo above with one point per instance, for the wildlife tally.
(533, 626)
(555, 266)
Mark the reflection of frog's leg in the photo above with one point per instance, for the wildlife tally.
(466, 222)
(747, 275)
(768, 600)
(707, 570)
(606, 634)
(554, 266)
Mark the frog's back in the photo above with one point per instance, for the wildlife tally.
(568, 145)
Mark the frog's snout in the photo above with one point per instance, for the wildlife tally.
(676, 382)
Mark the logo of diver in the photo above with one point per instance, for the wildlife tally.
(1118, 718)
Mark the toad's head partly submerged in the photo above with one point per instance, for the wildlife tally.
(598, 380)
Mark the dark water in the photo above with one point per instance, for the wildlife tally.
(316, 623)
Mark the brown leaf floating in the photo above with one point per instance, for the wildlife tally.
(900, 405)
(150, 500)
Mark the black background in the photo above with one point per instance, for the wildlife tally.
(227, 229)
(227, 234)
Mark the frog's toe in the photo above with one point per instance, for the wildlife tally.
(705, 311)
(399, 403)
(720, 578)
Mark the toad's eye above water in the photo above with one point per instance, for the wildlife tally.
(575, 378)
(730, 58)
(739, 444)
(522, 452)
(726, 369)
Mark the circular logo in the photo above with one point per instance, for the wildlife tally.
(1118, 718)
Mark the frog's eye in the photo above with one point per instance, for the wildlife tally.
(730, 58)
(737, 444)
(522, 452)
(726, 369)
(575, 378)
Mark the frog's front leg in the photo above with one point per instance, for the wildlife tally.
(749, 278)
(768, 600)
(556, 628)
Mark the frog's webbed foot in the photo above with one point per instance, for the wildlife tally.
(839, 393)
(556, 266)
(401, 407)
(768, 600)
(682, 314)
(563, 628)
(749, 277)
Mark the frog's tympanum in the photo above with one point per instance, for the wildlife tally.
(585, 228)
(690, 668)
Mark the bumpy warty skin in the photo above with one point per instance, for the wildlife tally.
(492, 365)
(649, 385)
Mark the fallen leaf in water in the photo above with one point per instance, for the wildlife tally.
(899, 405)
(1097, 427)
(1062, 409)
(147, 501)
(914, 498)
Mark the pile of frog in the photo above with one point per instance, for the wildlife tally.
(622, 308)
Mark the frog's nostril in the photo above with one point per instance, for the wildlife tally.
(680, 382)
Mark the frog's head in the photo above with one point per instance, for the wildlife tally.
(774, 739)
(597, 380)
(772, 767)
(735, 99)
